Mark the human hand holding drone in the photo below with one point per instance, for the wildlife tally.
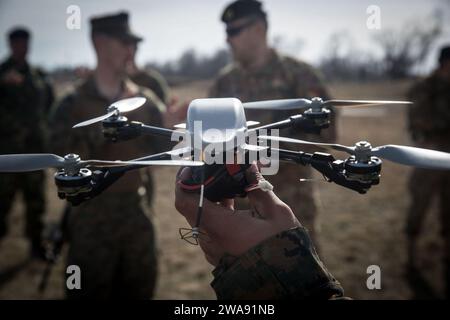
(268, 216)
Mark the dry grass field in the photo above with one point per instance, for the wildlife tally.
(356, 230)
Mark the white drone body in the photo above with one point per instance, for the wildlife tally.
(217, 124)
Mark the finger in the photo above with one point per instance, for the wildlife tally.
(183, 174)
(252, 174)
(227, 203)
(263, 164)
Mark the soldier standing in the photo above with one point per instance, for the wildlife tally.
(25, 100)
(261, 73)
(111, 237)
(429, 124)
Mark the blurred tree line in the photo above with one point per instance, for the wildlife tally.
(192, 66)
(400, 52)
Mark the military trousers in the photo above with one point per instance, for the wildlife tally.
(32, 186)
(112, 241)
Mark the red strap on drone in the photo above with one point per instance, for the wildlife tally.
(194, 186)
(233, 169)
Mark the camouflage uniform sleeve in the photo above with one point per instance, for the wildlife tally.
(309, 82)
(47, 107)
(161, 88)
(214, 90)
(49, 93)
(429, 116)
(415, 125)
(50, 97)
(285, 266)
(223, 85)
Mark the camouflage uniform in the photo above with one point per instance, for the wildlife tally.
(429, 124)
(285, 266)
(111, 238)
(281, 78)
(24, 109)
(154, 81)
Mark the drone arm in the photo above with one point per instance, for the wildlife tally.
(158, 156)
(158, 131)
(324, 163)
(101, 180)
(333, 170)
(276, 125)
(298, 122)
(298, 157)
(134, 129)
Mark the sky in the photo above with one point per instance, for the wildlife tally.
(172, 26)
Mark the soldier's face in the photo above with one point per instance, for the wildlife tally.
(243, 35)
(117, 53)
(19, 48)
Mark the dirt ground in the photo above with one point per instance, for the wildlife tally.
(356, 230)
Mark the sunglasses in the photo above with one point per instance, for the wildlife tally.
(234, 31)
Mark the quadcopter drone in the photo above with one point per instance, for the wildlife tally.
(222, 123)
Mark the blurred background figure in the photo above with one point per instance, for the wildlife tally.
(111, 237)
(148, 78)
(429, 125)
(151, 79)
(25, 100)
(259, 72)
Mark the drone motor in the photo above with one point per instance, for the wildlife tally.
(362, 166)
(320, 117)
(365, 172)
(72, 180)
(318, 114)
(112, 125)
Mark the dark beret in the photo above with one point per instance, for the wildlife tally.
(242, 8)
